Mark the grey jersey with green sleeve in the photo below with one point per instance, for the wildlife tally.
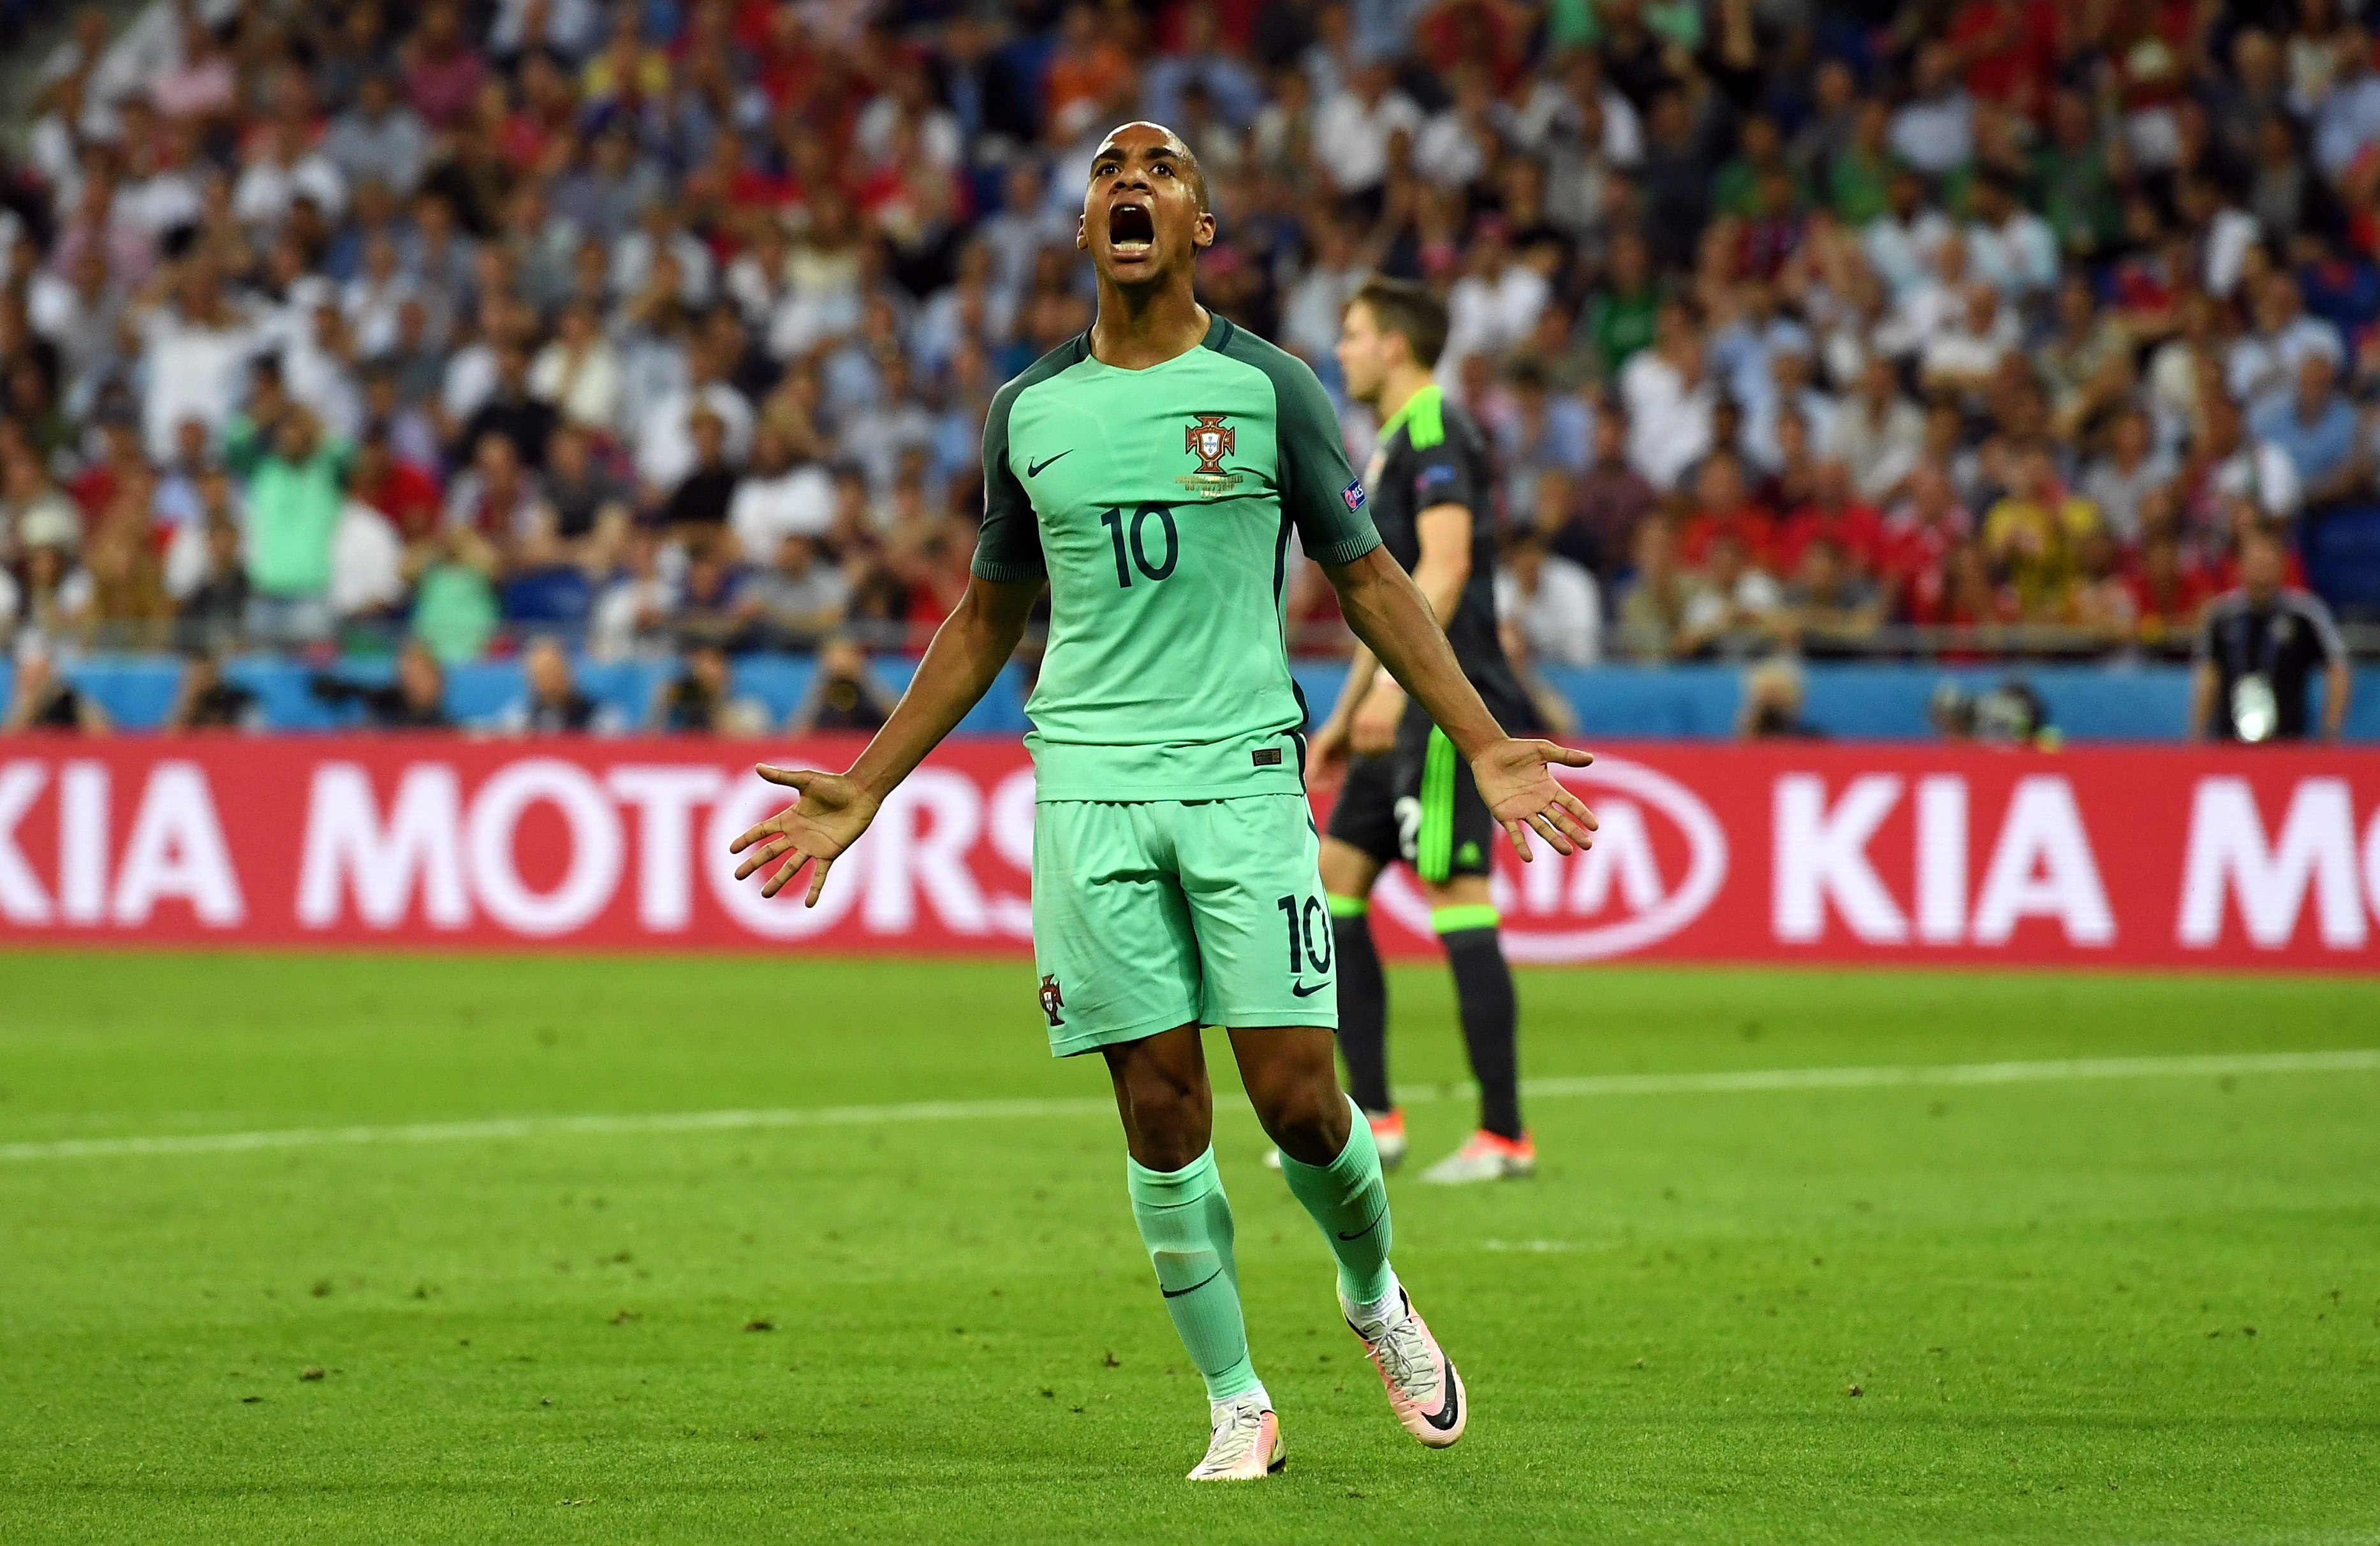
(1159, 502)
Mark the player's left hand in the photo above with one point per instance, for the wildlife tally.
(1521, 792)
(827, 817)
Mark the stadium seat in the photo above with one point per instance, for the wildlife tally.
(2342, 558)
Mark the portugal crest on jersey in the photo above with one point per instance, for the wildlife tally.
(1051, 1000)
(1210, 440)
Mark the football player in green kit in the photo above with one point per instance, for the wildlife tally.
(1150, 472)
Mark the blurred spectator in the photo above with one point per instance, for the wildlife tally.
(416, 701)
(800, 598)
(2258, 651)
(1608, 501)
(1771, 709)
(1653, 607)
(2034, 537)
(1880, 431)
(205, 700)
(551, 703)
(455, 609)
(53, 593)
(2118, 482)
(578, 373)
(295, 475)
(43, 700)
(1733, 609)
(844, 693)
(702, 700)
(1551, 601)
(1834, 606)
(2010, 713)
(2317, 429)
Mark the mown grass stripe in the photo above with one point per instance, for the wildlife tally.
(1750, 1080)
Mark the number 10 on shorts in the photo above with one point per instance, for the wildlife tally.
(1306, 925)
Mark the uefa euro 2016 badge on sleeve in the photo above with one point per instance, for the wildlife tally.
(2256, 711)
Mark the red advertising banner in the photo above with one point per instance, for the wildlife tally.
(1853, 854)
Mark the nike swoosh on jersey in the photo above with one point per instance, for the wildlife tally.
(1033, 468)
(1301, 990)
(1177, 1293)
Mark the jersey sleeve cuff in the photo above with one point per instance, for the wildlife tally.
(1347, 549)
(1000, 572)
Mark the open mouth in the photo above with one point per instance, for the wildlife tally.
(1131, 230)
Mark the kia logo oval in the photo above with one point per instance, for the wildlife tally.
(1621, 896)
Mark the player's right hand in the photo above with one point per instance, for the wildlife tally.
(1516, 781)
(826, 818)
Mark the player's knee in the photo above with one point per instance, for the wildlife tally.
(1170, 1117)
(1306, 1116)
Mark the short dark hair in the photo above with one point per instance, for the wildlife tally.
(1408, 307)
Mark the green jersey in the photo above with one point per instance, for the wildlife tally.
(1159, 502)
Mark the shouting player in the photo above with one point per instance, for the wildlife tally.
(1407, 795)
(1149, 471)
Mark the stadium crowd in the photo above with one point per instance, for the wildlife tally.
(1816, 326)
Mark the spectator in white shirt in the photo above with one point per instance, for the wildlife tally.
(373, 297)
(578, 372)
(659, 231)
(2120, 481)
(1458, 143)
(1669, 399)
(664, 438)
(1934, 302)
(778, 498)
(2268, 358)
(280, 172)
(1553, 603)
(367, 563)
(198, 352)
(379, 139)
(1963, 356)
(1935, 130)
(1900, 245)
(1878, 432)
(1352, 129)
(1495, 306)
(2008, 246)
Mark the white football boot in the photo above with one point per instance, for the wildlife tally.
(1245, 1444)
(1484, 1156)
(1424, 1389)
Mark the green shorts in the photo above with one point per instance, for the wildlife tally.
(1152, 914)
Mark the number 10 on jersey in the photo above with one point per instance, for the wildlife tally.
(1130, 537)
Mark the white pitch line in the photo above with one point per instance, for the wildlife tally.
(1879, 1076)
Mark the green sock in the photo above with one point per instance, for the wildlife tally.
(1185, 1221)
(1350, 1201)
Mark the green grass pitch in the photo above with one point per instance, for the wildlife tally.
(2115, 1309)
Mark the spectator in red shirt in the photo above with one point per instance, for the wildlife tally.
(1918, 541)
(398, 489)
(1836, 517)
(1721, 504)
(2009, 49)
(2169, 594)
(442, 71)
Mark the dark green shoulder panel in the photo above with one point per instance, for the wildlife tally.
(1319, 490)
(1008, 550)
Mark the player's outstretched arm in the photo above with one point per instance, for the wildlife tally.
(1391, 616)
(831, 810)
